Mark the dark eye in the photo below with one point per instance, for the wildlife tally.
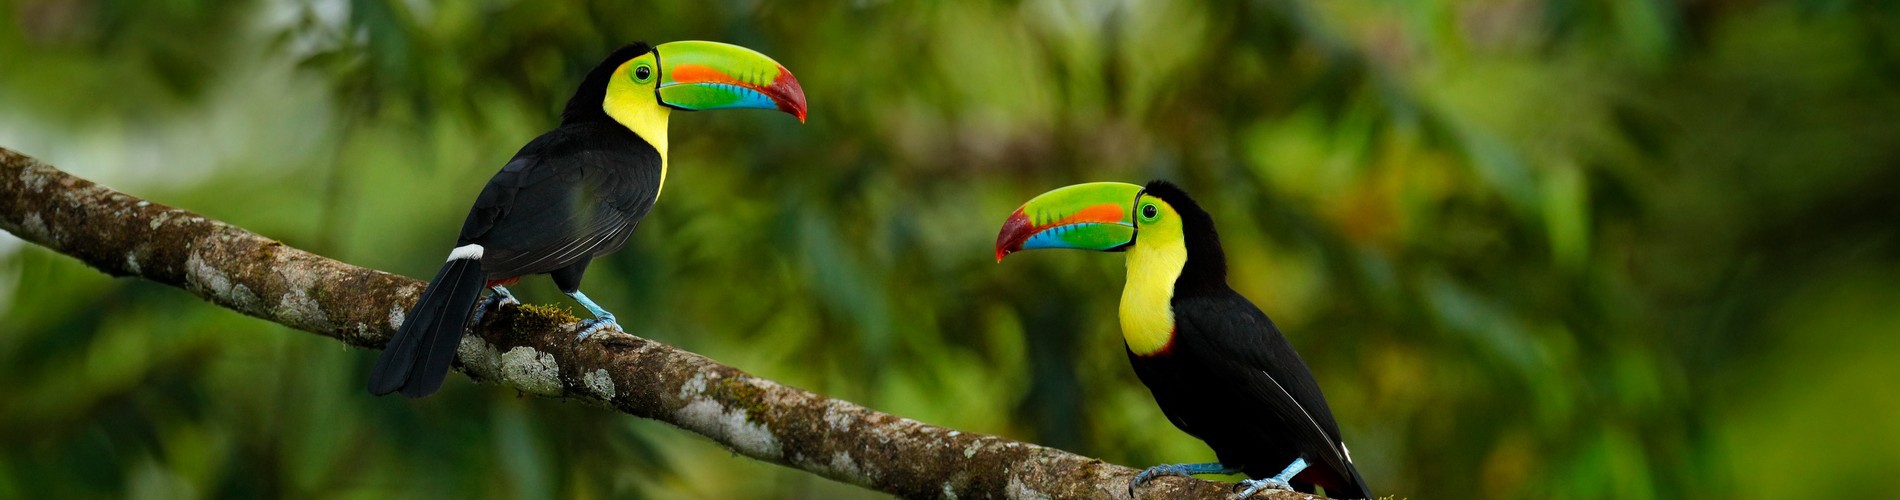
(642, 73)
(1148, 211)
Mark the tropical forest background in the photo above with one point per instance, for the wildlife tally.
(1530, 248)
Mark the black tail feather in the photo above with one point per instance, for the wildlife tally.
(417, 359)
(1358, 488)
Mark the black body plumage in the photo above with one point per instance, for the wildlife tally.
(574, 193)
(1231, 379)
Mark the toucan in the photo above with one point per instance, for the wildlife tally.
(575, 193)
(1216, 365)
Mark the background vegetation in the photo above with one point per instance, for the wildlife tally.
(1557, 248)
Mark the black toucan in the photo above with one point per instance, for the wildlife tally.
(576, 192)
(1217, 366)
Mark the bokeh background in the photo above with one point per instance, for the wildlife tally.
(1556, 248)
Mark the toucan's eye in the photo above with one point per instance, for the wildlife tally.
(1149, 212)
(642, 73)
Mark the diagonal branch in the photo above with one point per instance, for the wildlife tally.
(535, 352)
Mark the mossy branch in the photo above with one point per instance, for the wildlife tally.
(534, 350)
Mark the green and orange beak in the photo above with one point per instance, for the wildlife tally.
(697, 76)
(1095, 216)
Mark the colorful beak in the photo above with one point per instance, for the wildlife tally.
(1095, 216)
(697, 76)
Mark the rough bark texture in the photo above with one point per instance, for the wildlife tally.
(534, 351)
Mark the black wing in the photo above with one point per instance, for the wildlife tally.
(568, 196)
(1233, 327)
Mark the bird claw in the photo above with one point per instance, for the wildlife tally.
(1151, 473)
(492, 304)
(1257, 485)
(588, 327)
(1160, 470)
(495, 301)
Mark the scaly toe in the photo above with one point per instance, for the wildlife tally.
(1151, 473)
(1157, 471)
(486, 305)
(594, 325)
(1258, 485)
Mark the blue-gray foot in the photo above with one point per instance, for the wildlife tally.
(1183, 470)
(495, 300)
(602, 318)
(1276, 482)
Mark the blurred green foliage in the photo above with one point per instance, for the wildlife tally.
(1531, 248)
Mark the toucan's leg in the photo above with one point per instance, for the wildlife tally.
(506, 298)
(1184, 470)
(494, 301)
(569, 281)
(602, 318)
(1276, 482)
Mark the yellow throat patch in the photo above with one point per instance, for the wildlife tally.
(636, 106)
(1154, 263)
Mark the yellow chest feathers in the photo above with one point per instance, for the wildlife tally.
(1147, 311)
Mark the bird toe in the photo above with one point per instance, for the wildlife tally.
(592, 326)
(1255, 486)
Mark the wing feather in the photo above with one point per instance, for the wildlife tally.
(568, 196)
(1238, 330)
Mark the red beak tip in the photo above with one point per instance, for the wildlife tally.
(789, 94)
(1015, 230)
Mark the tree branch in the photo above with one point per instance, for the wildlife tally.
(534, 350)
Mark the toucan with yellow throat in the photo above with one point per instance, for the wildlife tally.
(1216, 365)
(576, 192)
